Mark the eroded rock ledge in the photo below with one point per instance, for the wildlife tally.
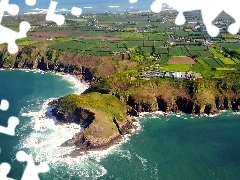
(84, 143)
(182, 104)
(104, 118)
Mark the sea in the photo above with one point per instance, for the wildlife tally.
(87, 6)
(176, 146)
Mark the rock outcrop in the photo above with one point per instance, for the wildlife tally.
(182, 104)
(83, 142)
(79, 116)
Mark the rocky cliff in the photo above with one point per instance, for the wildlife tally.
(83, 142)
(103, 117)
(200, 96)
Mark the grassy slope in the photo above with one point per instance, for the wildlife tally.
(104, 106)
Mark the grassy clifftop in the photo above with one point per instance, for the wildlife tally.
(105, 108)
(145, 94)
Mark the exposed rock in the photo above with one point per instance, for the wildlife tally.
(79, 116)
(83, 142)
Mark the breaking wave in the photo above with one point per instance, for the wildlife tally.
(42, 138)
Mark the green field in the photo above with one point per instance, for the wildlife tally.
(212, 62)
(164, 58)
(178, 51)
(177, 67)
(225, 60)
(143, 37)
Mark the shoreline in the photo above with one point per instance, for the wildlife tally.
(96, 144)
(46, 114)
(62, 74)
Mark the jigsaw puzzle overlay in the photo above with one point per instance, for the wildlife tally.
(9, 36)
(210, 10)
(31, 171)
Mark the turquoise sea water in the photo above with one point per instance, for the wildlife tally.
(177, 147)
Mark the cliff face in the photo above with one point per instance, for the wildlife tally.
(191, 97)
(79, 116)
(103, 116)
(181, 104)
(83, 142)
(43, 57)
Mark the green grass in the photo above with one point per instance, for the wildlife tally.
(161, 50)
(225, 69)
(194, 53)
(205, 54)
(212, 62)
(177, 51)
(176, 67)
(230, 36)
(233, 45)
(132, 36)
(164, 58)
(25, 41)
(104, 106)
(225, 60)
(159, 43)
(237, 61)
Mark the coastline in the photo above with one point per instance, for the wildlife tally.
(89, 143)
(128, 127)
(72, 78)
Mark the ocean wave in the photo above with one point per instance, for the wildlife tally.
(160, 114)
(78, 86)
(44, 11)
(87, 7)
(45, 136)
(143, 161)
(113, 6)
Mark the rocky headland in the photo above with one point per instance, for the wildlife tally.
(107, 109)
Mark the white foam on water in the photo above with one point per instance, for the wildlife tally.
(143, 161)
(115, 149)
(29, 114)
(45, 139)
(236, 113)
(78, 86)
(137, 123)
(154, 172)
(113, 6)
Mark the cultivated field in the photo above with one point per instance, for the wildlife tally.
(181, 60)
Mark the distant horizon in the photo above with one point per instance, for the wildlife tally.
(88, 6)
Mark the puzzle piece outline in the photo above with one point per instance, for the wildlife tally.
(31, 171)
(4, 171)
(58, 18)
(7, 35)
(209, 14)
(12, 121)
